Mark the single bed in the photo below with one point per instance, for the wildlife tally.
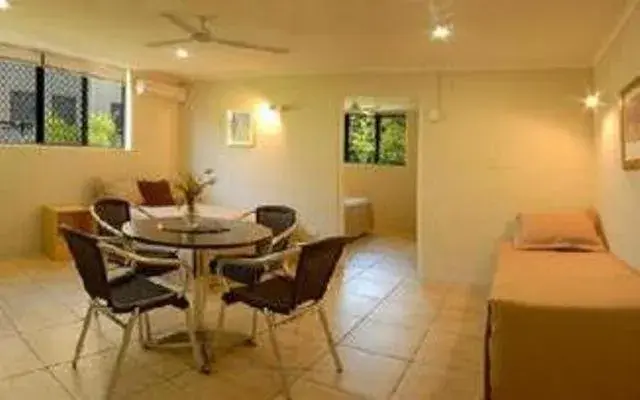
(562, 325)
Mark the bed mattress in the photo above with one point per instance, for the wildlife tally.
(563, 325)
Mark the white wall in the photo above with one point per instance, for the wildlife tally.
(508, 142)
(618, 190)
(32, 176)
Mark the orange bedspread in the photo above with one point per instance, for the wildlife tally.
(563, 326)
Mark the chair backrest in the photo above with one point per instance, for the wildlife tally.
(278, 219)
(88, 260)
(316, 264)
(111, 212)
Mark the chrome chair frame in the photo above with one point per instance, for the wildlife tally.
(99, 307)
(261, 263)
(300, 310)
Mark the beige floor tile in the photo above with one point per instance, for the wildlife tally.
(361, 259)
(307, 390)
(167, 362)
(16, 357)
(158, 391)
(37, 311)
(365, 374)
(6, 326)
(421, 382)
(452, 351)
(15, 285)
(349, 303)
(90, 380)
(462, 323)
(370, 288)
(253, 384)
(387, 339)
(339, 325)
(432, 383)
(298, 349)
(34, 385)
(403, 311)
(56, 345)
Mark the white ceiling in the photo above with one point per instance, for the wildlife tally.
(325, 36)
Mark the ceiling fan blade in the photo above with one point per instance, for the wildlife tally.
(250, 46)
(171, 42)
(180, 23)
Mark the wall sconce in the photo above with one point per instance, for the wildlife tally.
(592, 101)
(268, 117)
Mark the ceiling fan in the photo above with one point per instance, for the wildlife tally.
(203, 34)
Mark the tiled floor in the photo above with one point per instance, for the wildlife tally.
(398, 339)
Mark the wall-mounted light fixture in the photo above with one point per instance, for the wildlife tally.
(268, 117)
(4, 5)
(592, 101)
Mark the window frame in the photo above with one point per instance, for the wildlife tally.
(377, 126)
(41, 93)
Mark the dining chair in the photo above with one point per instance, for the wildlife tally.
(132, 294)
(291, 296)
(283, 222)
(110, 215)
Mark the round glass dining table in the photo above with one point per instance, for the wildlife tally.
(208, 234)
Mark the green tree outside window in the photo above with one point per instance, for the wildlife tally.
(102, 130)
(377, 138)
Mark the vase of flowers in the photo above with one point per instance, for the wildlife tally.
(190, 188)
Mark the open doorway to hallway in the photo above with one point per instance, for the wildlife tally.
(378, 174)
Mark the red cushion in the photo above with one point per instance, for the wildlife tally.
(156, 193)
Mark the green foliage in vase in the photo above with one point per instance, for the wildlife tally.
(191, 186)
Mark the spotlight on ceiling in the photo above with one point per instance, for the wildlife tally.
(4, 5)
(592, 101)
(442, 32)
(181, 53)
(441, 20)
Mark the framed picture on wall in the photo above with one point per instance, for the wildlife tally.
(630, 125)
(240, 129)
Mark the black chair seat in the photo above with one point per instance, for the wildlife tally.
(134, 291)
(273, 294)
(247, 275)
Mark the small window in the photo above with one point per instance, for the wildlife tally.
(106, 113)
(17, 102)
(375, 138)
(23, 106)
(47, 105)
(22, 113)
(63, 107)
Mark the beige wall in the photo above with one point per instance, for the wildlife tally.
(618, 191)
(391, 189)
(507, 142)
(32, 176)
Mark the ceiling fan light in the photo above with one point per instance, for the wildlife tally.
(442, 32)
(181, 53)
(5, 5)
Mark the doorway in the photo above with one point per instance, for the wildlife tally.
(378, 169)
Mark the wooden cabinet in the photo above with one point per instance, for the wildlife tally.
(53, 243)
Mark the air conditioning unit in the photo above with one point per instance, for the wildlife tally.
(161, 89)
